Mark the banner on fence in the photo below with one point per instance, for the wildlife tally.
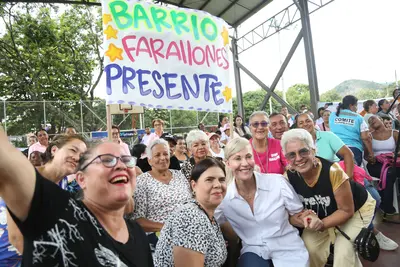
(158, 56)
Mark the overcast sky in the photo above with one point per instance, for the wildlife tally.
(353, 39)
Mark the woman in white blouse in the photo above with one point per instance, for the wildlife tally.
(258, 206)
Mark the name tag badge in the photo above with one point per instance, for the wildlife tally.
(274, 157)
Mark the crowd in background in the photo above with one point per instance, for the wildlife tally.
(270, 192)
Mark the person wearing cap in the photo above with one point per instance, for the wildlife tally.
(215, 148)
(174, 162)
(226, 134)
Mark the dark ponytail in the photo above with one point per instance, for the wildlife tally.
(380, 103)
(346, 102)
(338, 109)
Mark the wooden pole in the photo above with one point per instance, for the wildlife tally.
(109, 122)
(231, 125)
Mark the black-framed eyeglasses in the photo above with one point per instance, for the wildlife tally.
(263, 124)
(304, 152)
(109, 161)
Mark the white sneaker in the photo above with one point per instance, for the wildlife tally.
(386, 243)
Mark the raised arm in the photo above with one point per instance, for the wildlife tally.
(17, 178)
(14, 235)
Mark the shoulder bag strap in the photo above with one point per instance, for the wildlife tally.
(343, 233)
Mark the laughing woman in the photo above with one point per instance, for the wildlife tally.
(258, 207)
(62, 231)
(191, 236)
(338, 201)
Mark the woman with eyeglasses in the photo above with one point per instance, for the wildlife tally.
(337, 200)
(258, 207)
(267, 151)
(191, 236)
(61, 231)
(327, 144)
(159, 191)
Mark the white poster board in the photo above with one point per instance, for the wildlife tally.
(165, 57)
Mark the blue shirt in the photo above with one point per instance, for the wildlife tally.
(8, 253)
(348, 126)
(327, 145)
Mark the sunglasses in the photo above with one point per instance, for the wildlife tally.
(263, 124)
(110, 161)
(303, 153)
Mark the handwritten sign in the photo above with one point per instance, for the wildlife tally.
(165, 57)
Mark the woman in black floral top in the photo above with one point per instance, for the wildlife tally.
(198, 144)
(192, 228)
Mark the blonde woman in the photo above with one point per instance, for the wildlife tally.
(258, 207)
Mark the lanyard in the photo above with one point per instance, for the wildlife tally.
(258, 157)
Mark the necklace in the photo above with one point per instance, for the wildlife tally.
(165, 177)
(213, 222)
(259, 159)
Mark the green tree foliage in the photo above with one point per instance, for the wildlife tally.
(252, 101)
(48, 55)
(298, 95)
(331, 96)
(365, 94)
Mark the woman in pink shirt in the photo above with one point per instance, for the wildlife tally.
(267, 151)
(41, 145)
(158, 126)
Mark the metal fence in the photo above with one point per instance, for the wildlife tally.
(20, 118)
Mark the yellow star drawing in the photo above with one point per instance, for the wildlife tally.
(227, 93)
(106, 18)
(111, 32)
(225, 36)
(114, 53)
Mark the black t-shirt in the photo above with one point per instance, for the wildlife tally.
(320, 197)
(61, 231)
(174, 163)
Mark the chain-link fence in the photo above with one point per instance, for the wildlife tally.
(20, 118)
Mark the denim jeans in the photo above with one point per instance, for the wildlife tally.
(249, 259)
(357, 155)
(375, 195)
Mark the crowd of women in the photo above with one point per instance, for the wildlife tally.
(256, 195)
